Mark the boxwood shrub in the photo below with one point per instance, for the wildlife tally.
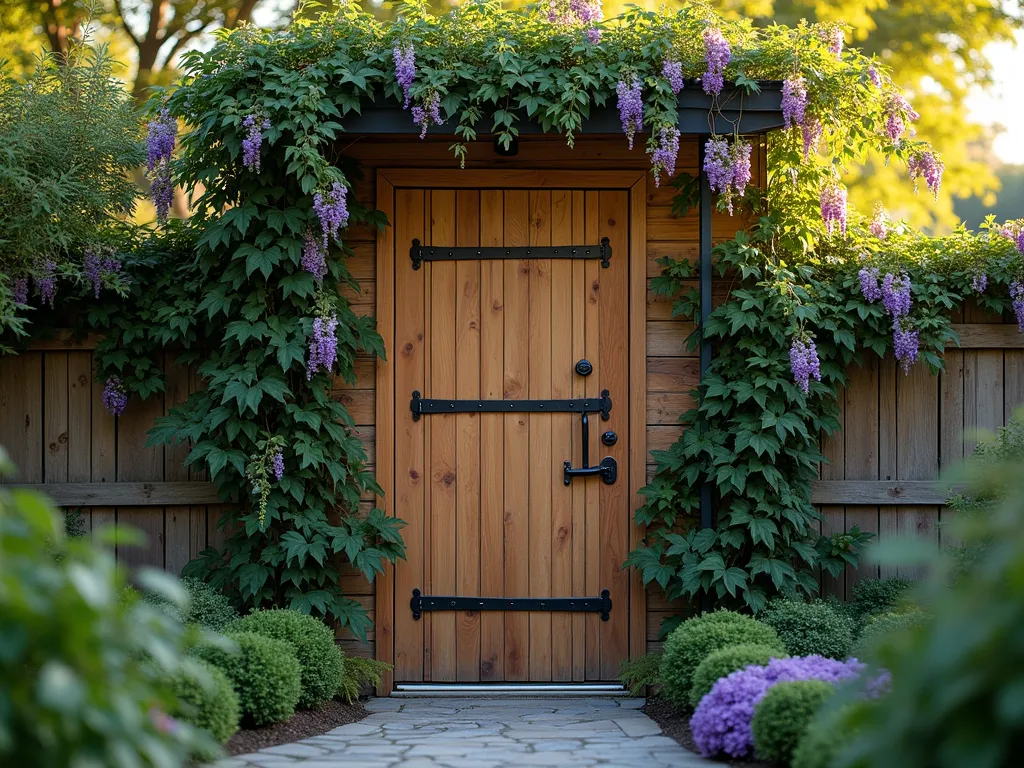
(725, 661)
(264, 673)
(207, 700)
(314, 648)
(206, 606)
(885, 630)
(691, 642)
(783, 716)
(809, 629)
(872, 597)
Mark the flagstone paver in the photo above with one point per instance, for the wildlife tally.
(478, 733)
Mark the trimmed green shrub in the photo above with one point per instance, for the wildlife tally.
(314, 648)
(638, 673)
(872, 597)
(828, 734)
(264, 673)
(810, 628)
(885, 630)
(207, 700)
(783, 716)
(691, 642)
(206, 606)
(725, 661)
(358, 672)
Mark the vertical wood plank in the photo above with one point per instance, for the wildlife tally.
(21, 414)
(137, 462)
(442, 437)
(889, 379)
(410, 469)
(104, 456)
(562, 534)
(177, 519)
(861, 451)
(467, 387)
(1013, 381)
(55, 408)
(492, 437)
(834, 518)
(80, 423)
(384, 589)
(594, 383)
(540, 436)
(614, 376)
(637, 404)
(517, 435)
(918, 457)
(579, 294)
(951, 429)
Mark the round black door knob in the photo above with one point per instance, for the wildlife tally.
(609, 438)
(584, 367)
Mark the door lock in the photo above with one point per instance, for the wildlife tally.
(584, 367)
(609, 438)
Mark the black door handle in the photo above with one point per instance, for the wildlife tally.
(608, 469)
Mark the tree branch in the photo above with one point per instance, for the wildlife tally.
(244, 12)
(124, 24)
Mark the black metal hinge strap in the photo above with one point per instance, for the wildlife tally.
(421, 406)
(601, 605)
(419, 253)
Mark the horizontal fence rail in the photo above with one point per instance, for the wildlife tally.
(124, 494)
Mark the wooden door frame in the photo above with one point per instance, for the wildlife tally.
(388, 179)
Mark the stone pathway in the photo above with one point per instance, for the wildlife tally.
(477, 733)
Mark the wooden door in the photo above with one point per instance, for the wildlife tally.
(488, 512)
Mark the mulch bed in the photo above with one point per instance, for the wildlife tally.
(303, 725)
(677, 726)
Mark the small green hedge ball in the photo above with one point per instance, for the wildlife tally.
(314, 648)
(207, 700)
(807, 629)
(264, 673)
(692, 641)
(783, 716)
(724, 662)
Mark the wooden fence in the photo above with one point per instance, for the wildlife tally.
(898, 433)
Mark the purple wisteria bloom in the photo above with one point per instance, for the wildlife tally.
(114, 397)
(331, 208)
(314, 256)
(875, 77)
(631, 107)
(428, 114)
(19, 287)
(323, 346)
(898, 110)
(835, 40)
(740, 168)
(405, 70)
(97, 268)
(979, 283)
(1017, 294)
(833, 207)
(794, 101)
(160, 145)
(663, 158)
(812, 129)
(672, 70)
(904, 343)
(253, 141)
(593, 35)
(880, 223)
(925, 165)
(277, 464)
(1014, 230)
(46, 281)
(803, 362)
(718, 164)
(718, 54)
(896, 294)
(722, 721)
(869, 284)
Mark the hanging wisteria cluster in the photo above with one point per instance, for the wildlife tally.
(97, 267)
(255, 125)
(833, 207)
(114, 397)
(631, 106)
(803, 361)
(718, 54)
(895, 294)
(265, 467)
(573, 14)
(727, 166)
(160, 142)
